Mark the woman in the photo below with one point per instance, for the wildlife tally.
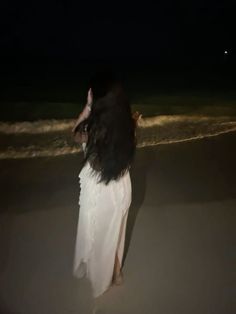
(105, 194)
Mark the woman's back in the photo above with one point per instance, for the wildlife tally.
(111, 135)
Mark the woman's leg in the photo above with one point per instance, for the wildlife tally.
(117, 273)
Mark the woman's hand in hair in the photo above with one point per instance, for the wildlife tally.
(86, 111)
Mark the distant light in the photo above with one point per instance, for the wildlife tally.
(226, 52)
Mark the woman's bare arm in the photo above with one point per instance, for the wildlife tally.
(86, 111)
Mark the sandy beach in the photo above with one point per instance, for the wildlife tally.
(180, 237)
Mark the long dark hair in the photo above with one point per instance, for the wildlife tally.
(111, 135)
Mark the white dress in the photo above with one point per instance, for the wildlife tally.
(101, 227)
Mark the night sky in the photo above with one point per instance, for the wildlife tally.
(79, 30)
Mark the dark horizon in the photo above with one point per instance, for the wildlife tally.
(166, 45)
(161, 32)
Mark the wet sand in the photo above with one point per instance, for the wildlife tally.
(180, 237)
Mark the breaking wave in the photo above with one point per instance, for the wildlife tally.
(46, 138)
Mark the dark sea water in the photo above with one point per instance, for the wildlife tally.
(54, 138)
(40, 97)
(34, 88)
(34, 79)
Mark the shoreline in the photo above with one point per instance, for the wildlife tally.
(54, 138)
